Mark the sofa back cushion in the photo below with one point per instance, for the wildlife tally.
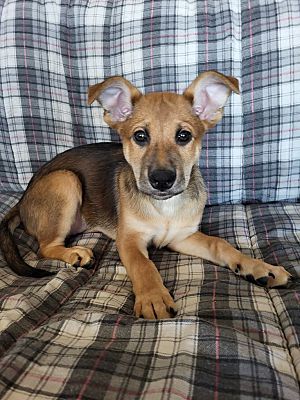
(52, 51)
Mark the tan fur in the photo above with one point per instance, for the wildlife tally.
(78, 191)
(48, 212)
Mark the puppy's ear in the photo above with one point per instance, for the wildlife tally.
(208, 94)
(117, 96)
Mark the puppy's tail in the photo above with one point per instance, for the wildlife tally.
(10, 250)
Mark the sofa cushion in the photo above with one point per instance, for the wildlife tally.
(74, 335)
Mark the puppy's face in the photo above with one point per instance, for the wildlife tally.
(161, 132)
(161, 142)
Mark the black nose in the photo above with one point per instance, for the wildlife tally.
(162, 179)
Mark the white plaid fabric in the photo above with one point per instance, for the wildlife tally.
(52, 51)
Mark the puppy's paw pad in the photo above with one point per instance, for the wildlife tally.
(263, 274)
(90, 264)
(173, 312)
(77, 263)
(250, 278)
(263, 281)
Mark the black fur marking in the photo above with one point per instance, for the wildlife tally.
(11, 253)
(153, 309)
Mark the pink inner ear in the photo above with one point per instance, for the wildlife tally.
(209, 97)
(117, 101)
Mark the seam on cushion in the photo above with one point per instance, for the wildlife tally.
(286, 342)
(248, 210)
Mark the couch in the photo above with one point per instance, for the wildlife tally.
(74, 335)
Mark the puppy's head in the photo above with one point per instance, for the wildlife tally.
(161, 132)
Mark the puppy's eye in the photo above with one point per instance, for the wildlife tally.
(183, 137)
(141, 137)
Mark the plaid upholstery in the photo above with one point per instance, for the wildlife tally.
(52, 51)
(73, 336)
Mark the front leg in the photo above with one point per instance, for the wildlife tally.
(221, 252)
(152, 299)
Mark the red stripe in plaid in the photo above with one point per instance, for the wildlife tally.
(252, 95)
(217, 371)
(99, 359)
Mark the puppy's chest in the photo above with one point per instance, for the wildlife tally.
(167, 231)
(169, 220)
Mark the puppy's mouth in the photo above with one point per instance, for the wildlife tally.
(163, 195)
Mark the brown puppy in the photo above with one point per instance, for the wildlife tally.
(147, 191)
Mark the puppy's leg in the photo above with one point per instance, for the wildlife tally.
(152, 299)
(48, 211)
(221, 252)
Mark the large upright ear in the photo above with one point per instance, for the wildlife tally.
(208, 94)
(117, 96)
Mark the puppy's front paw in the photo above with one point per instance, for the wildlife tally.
(156, 303)
(261, 273)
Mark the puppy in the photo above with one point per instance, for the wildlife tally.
(148, 190)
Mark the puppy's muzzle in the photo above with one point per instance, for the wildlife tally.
(162, 179)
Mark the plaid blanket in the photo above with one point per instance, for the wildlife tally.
(73, 336)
